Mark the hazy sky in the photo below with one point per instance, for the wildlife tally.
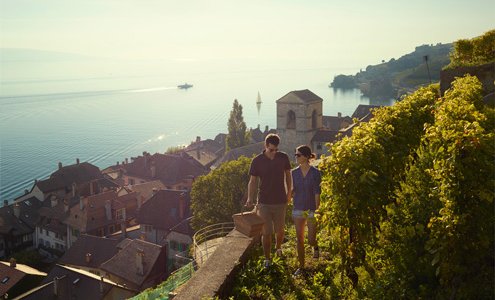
(349, 33)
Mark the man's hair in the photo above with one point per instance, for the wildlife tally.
(273, 139)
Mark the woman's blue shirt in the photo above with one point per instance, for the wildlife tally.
(305, 188)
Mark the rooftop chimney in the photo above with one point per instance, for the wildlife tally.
(126, 160)
(59, 165)
(88, 258)
(66, 205)
(56, 286)
(198, 139)
(26, 192)
(339, 114)
(140, 261)
(123, 227)
(77, 161)
(266, 128)
(5, 203)
(118, 163)
(17, 210)
(182, 205)
(13, 263)
(74, 189)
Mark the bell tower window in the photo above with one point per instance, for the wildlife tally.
(291, 120)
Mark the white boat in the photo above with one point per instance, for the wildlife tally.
(185, 86)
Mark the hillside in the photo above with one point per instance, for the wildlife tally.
(398, 76)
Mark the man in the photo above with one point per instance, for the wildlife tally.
(271, 167)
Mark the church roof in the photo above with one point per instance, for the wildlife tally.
(305, 96)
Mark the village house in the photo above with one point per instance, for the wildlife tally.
(17, 224)
(164, 220)
(138, 265)
(63, 181)
(101, 215)
(205, 152)
(70, 283)
(175, 171)
(89, 252)
(145, 190)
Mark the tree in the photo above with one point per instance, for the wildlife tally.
(215, 197)
(238, 135)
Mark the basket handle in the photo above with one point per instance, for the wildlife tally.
(244, 208)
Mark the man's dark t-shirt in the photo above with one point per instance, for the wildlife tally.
(272, 176)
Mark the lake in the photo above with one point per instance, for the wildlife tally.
(105, 111)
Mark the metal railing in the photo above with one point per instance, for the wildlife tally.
(205, 240)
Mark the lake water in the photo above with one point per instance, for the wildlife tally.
(103, 112)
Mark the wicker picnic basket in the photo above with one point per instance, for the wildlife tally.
(248, 223)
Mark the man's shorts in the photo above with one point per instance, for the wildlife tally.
(274, 217)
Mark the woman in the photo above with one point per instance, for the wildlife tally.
(306, 194)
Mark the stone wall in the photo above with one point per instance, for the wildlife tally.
(215, 277)
(485, 73)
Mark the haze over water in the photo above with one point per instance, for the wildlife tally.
(60, 111)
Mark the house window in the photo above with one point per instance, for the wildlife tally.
(173, 245)
(291, 120)
(120, 214)
(148, 228)
(173, 212)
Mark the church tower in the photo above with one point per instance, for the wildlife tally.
(299, 117)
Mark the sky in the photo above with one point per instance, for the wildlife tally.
(308, 33)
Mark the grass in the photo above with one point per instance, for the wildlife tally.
(278, 282)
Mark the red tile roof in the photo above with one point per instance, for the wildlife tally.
(65, 176)
(169, 168)
(123, 264)
(101, 250)
(163, 209)
(12, 275)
